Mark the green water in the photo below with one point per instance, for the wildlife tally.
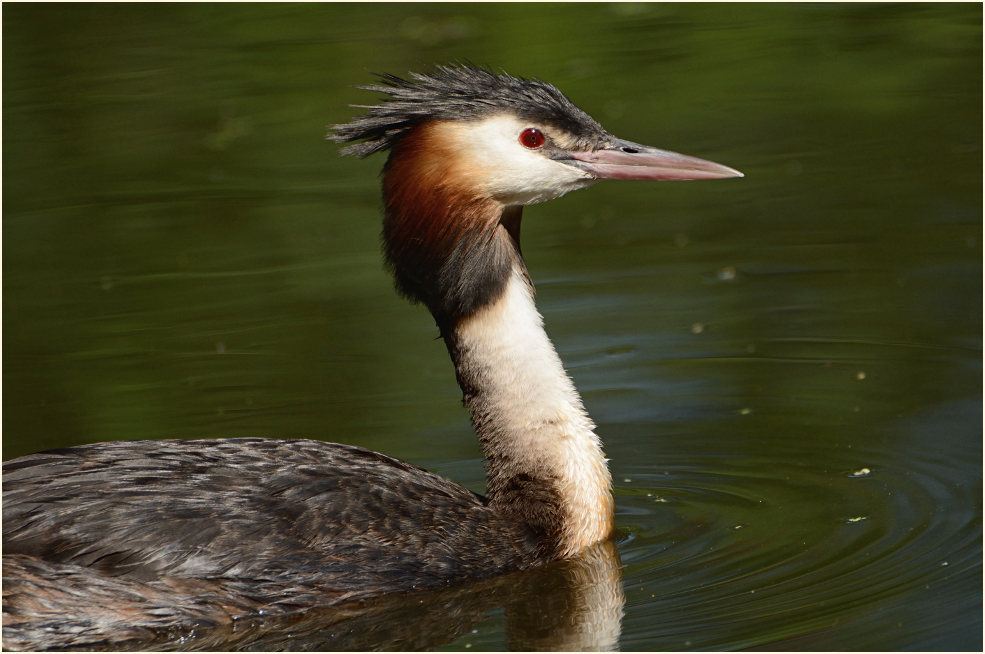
(185, 255)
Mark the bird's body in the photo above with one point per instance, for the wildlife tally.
(338, 518)
(234, 527)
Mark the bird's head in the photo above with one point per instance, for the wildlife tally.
(469, 148)
(517, 141)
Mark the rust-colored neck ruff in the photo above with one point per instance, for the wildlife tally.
(456, 250)
(447, 244)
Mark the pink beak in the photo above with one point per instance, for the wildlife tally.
(626, 160)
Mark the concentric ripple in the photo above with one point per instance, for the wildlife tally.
(782, 553)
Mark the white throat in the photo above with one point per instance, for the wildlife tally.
(530, 419)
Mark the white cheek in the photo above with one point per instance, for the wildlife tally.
(512, 173)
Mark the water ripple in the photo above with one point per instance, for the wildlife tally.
(746, 552)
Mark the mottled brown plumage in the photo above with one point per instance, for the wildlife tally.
(208, 531)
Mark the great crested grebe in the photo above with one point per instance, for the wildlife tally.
(152, 534)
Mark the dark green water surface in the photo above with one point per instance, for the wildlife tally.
(786, 369)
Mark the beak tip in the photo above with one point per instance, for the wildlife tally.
(726, 172)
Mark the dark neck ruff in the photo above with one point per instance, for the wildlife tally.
(447, 247)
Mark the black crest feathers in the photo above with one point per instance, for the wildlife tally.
(458, 92)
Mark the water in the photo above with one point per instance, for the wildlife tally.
(786, 369)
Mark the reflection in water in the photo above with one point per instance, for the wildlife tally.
(575, 605)
(570, 605)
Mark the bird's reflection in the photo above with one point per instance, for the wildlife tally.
(569, 605)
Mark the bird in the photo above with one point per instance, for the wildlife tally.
(106, 539)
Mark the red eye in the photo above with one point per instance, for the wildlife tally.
(532, 138)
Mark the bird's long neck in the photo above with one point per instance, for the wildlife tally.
(458, 253)
(544, 462)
